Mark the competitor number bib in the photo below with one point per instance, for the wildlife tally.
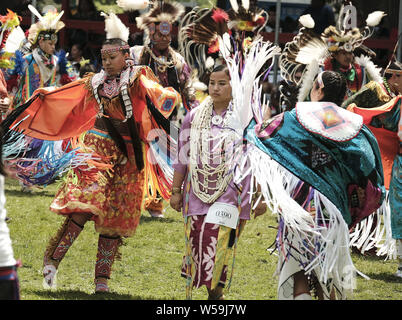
(223, 214)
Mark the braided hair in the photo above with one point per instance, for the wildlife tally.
(334, 87)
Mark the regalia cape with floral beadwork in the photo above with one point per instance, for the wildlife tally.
(37, 133)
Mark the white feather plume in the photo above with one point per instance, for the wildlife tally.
(35, 12)
(245, 88)
(307, 80)
(14, 40)
(53, 24)
(315, 49)
(224, 45)
(200, 86)
(307, 21)
(373, 71)
(234, 5)
(374, 18)
(246, 5)
(115, 28)
(133, 4)
(209, 63)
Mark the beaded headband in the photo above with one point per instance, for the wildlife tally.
(48, 36)
(115, 49)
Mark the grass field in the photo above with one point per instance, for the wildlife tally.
(151, 259)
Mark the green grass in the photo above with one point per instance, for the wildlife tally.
(151, 259)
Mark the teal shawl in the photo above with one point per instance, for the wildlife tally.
(331, 150)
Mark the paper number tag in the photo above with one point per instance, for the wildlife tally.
(223, 214)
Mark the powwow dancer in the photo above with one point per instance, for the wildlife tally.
(5, 63)
(302, 161)
(106, 117)
(41, 67)
(168, 65)
(200, 30)
(380, 106)
(309, 53)
(8, 23)
(202, 186)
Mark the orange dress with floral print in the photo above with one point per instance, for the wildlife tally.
(109, 185)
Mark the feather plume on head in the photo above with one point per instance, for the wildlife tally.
(10, 38)
(48, 25)
(133, 4)
(7, 24)
(198, 37)
(305, 47)
(165, 11)
(301, 57)
(246, 16)
(115, 29)
(346, 36)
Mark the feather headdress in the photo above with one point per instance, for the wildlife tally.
(11, 37)
(305, 48)
(346, 36)
(133, 4)
(160, 11)
(47, 25)
(199, 31)
(246, 16)
(8, 23)
(308, 47)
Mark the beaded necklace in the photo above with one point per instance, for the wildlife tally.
(386, 85)
(161, 62)
(201, 155)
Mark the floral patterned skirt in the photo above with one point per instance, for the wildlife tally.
(209, 248)
(111, 189)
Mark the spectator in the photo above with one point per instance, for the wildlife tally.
(75, 56)
(86, 10)
(322, 14)
(270, 26)
(290, 25)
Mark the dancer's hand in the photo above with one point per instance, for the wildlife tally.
(176, 201)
